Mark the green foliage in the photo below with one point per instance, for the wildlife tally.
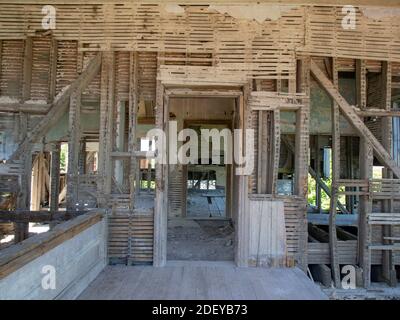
(325, 199)
(144, 184)
(312, 188)
(63, 157)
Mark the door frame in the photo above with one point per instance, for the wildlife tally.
(241, 93)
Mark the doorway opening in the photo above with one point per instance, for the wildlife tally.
(200, 225)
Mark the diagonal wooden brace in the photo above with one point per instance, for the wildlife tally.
(351, 115)
(59, 107)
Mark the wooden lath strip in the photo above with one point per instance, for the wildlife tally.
(59, 106)
(352, 116)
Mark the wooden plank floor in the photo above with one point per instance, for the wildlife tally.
(198, 280)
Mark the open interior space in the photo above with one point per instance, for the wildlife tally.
(202, 150)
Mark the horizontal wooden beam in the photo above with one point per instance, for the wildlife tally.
(37, 216)
(222, 93)
(138, 154)
(382, 3)
(350, 113)
(60, 106)
(378, 113)
(12, 169)
(33, 108)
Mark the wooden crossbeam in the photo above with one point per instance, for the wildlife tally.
(333, 241)
(352, 116)
(59, 107)
(37, 216)
(378, 113)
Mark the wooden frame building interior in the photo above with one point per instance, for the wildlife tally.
(322, 99)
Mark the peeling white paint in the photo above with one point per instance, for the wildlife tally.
(377, 13)
(58, 96)
(36, 102)
(5, 99)
(257, 12)
(174, 8)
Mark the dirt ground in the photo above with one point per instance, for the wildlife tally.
(205, 240)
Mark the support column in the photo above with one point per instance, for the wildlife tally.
(106, 126)
(53, 70)
(301, 154)
(24, 182)
(161, 200)
(1, 52)
(242, 234)
(335, 178)
(318, 195)
(132, 143)
(55, 176)
(23, 198)
(365, 208)
(82, 157)
(26, 85)
(388, 267)
(366, 162)
(73, 150)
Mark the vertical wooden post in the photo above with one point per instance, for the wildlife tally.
(185, 177)
(1, 52)
(318, 171)
(119, 141)
(27, 77)
(349, 172)
(133, 109)
(55, 176)
(148, 176)
(276, 149)
(105, 134)
(366, 161)
(24, 182)
(242, 189)
(53, 70)
(73, 150)
(365, 207)
(82, 157)
(301, 157)
(361, 84)
(161, 200)
(23, 198)
(388, 267)
(335, 178)
(265, 155)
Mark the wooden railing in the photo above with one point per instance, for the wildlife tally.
(377, 189)
(18, 255)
